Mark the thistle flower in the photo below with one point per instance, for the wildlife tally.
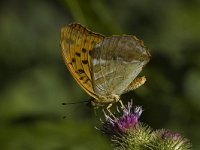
(125, 131)
(128, 120)
(169, 134)
(168, 140)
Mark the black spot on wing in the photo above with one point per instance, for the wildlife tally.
(85, 61)
(78, 54)
(80, 71)
(90, 52)
(84, 50)
(73, 60)
(81, 78)
(86, 80)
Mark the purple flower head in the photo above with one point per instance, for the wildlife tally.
(170, 134)
(121, 124)
(172, 140)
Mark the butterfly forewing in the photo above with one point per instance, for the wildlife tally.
(77, 43)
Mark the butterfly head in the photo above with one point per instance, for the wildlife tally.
(105, 100)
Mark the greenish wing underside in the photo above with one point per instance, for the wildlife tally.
(112, 74)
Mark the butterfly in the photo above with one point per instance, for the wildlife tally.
(105, 67)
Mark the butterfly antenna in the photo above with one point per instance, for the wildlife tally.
(70, 103)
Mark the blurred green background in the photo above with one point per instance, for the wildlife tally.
(34, 80)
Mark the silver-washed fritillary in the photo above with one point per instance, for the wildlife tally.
(105, 67)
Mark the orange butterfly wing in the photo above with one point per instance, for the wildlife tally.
(77, 43)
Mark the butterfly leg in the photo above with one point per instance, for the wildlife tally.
(109, 111)
(109, 117)
(109, 106)
(121, 103)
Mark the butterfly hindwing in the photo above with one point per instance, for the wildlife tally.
(121, 59)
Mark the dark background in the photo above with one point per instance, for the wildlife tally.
(34, 80)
